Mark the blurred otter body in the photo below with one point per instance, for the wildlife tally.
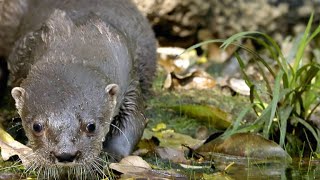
(81, 68)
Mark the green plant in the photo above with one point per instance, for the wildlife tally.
(293, 92)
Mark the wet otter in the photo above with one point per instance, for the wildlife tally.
(80, 69)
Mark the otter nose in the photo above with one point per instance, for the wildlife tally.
(65, 157)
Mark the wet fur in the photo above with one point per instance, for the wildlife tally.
(63, 54)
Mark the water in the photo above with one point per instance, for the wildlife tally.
(299, 169)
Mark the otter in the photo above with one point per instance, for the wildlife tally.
(80, 71)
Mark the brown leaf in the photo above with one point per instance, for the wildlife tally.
(169, 138)
(133, 171)
(174, 59)
(169, 66)
(247, 145)
(136, 167)
(10, 147)
(135, 161)
(239, 86)
(171, 154)
(194, 79)
(202, 132)
(131, 165)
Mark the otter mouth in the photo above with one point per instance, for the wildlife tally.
(67, 164)
(68, 170)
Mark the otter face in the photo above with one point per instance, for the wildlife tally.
(64, 132)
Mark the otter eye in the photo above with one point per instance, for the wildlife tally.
(91, 127)
(37, 127)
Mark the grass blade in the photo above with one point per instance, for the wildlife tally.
(238, 36)
(201, 44)
(283, 120)
(302, 45)
(274, 103)
(311, 129)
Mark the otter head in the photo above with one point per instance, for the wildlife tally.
(68, 131)
(65, 127)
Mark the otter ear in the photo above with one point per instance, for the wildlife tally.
(19, 95)
(112, 90)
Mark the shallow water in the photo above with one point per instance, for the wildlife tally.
(304, 169)
(299, 169)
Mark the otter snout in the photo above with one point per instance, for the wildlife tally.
(66, 157)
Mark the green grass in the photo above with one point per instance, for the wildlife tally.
(292, 91)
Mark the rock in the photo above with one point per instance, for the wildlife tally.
(175, 18)
(185, 22)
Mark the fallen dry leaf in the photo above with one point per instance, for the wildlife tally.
(239, 86)
(174, 59)
(10, 147)
(171, 154)
(135, 167)
(202, 133)
(169, 138)
(130, 169)
(135, 161)
(194, 79)
(246, 145)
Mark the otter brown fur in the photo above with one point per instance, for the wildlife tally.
(80, 68)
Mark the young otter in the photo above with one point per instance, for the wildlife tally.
(81, 68)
